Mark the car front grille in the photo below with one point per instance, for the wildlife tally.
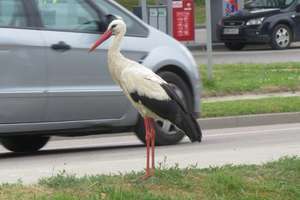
(232, 23)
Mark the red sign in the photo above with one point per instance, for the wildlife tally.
(184, 20)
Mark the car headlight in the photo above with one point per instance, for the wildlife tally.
(257, 21)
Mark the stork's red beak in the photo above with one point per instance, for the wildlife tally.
(104, 37)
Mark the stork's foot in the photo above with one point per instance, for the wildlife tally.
(146, 177)
(149, 173)
(152, 172)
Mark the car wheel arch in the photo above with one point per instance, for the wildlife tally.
(178, 71)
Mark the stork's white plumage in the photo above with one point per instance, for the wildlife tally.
(148, 92)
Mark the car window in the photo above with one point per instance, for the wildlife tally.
(70, 15)
(133, 27)
(289, 2)
(249, 4)
(12, 13)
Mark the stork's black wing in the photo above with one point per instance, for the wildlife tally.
(163, 108)
(171, 109)
(146, 88)
(172, 94)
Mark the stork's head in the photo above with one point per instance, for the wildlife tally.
(116, 27)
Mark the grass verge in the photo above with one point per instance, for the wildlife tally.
(200, 12)
(232, 79)
(275, 180)
(247, 107)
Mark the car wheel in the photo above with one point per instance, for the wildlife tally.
(234, 46)
(281, 37)
(167, 133)
(24, 144)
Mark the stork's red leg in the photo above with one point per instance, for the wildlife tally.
(147, 128)
(152, 130)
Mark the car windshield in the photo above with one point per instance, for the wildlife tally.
(252, 4)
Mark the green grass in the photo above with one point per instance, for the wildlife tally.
(232, 79)
(278, 180)
(247, 107)
(200, 14)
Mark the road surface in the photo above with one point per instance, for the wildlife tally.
(251, 53)
(249, 56)
(123, 153)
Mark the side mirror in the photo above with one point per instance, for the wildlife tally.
(298, 8)
(101, 26)
(104, 22)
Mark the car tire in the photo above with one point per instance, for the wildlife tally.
(235, 46)
(24, 144)
(167, 134)
(281, 37)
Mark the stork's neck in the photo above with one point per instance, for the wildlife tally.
(116, 61)
(114, 49)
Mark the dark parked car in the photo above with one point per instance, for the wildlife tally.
(274, 22)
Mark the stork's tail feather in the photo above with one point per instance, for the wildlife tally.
(189, 125)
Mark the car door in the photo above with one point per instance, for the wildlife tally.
(79, 84)
(22, 68)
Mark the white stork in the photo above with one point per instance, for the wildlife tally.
(153, 97)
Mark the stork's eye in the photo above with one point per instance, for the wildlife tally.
(113, 26)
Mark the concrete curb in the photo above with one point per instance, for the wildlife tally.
(250, 120)
(200, 26)
(202, 47)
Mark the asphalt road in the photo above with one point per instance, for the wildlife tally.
(254, 54)
(122, 153)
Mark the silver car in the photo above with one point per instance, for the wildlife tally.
(50, 84)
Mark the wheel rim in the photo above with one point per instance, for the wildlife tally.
(282, 37)
(165, 125)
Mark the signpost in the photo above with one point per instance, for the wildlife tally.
(209, 39)
(143, 4)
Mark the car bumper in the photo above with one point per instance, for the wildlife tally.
(245, 35)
